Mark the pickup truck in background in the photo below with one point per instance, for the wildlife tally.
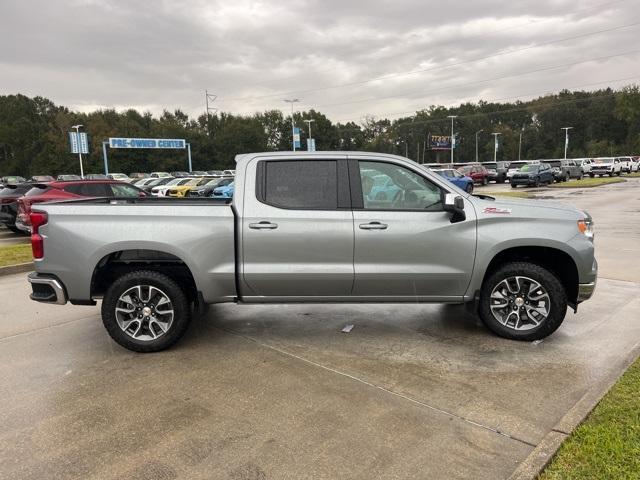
(303, 227)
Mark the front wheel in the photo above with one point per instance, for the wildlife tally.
(523, 301)
(485, 181)
(469, 188)
(513, 185)
(145, 311)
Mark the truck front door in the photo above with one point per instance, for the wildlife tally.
(405, 243)
(297, 229)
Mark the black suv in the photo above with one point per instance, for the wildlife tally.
(497, 171)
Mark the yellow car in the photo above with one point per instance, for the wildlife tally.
(179, 191)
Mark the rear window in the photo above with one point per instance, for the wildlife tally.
(20, 190)
(308, 184)
(35, 191)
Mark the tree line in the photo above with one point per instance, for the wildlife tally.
(34, 132)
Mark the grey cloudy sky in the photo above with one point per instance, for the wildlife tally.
(345, 58)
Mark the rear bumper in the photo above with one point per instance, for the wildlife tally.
(47, 289)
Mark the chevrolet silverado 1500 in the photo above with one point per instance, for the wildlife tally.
(305, 227)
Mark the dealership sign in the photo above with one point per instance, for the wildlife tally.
(440, 142)
(147, 143)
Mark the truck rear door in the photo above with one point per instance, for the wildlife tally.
(297, 228)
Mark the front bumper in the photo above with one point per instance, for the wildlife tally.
(47, 289)
(523, 180)
(585, 291)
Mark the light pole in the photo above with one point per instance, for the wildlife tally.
(293, 124)
(520, 146)
(77, 128)
(452, 138)
(495, 144)
(566, 140)
(309, 122)
(479, 131)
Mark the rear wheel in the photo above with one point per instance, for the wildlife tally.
(485, 181)
(523, 301)
(513, 185)
(592, 175)
(145, 311)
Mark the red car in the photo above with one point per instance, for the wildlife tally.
(47, 192)
(477, 172)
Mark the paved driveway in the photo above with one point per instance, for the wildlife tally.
(258, 392)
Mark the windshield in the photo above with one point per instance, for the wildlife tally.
(529, 168)
(175, 181)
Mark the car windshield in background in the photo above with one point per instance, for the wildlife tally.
(491, 165)
(529, 168)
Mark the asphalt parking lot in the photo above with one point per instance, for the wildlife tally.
(278, 392)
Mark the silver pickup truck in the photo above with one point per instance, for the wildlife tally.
(314, 227)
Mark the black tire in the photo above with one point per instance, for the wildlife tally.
(536, 184)
(180, 304)
(592, 175)
(513, 185)
(485, 181)
(553, 287)
(469, 188)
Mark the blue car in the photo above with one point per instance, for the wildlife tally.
(459, 180)
(225, 191)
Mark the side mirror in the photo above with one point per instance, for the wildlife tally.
(455, 205)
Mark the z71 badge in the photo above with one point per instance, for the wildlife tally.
(497, 210)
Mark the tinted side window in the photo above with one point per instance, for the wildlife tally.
(124, 190)
(403, 189)
(88, 189)
(301, 184)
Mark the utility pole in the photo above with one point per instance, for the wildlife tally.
(209, 98)
(479, 131)
(293, 123)
(566, 140)
(77, 128)
(520, 146)
(452, 137)
(495, 145)
(309, 122)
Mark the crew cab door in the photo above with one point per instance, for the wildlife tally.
(297, 229)
(405, 243)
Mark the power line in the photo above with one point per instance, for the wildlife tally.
(511, 98)
(495, 112)
(439, 67)
(482, 35)
(537, 70)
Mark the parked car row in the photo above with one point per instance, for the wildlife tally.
(562, 169)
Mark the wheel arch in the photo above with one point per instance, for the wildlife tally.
(558, 261)
(120, 262)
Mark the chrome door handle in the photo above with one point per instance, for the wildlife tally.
(263, 225)
(373, 226)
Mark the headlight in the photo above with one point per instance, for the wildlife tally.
(586, 227)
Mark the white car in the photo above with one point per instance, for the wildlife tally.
(605, 166)
(119, 176)
(161, 190)
(628, 164)
(160, 174)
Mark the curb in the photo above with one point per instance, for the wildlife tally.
(12, 269)
(539, 458)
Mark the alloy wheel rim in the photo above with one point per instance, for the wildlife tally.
(520, 303)
(144, 313)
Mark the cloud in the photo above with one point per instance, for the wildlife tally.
(164, 54)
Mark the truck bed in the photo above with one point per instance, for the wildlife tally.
(198, 232)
